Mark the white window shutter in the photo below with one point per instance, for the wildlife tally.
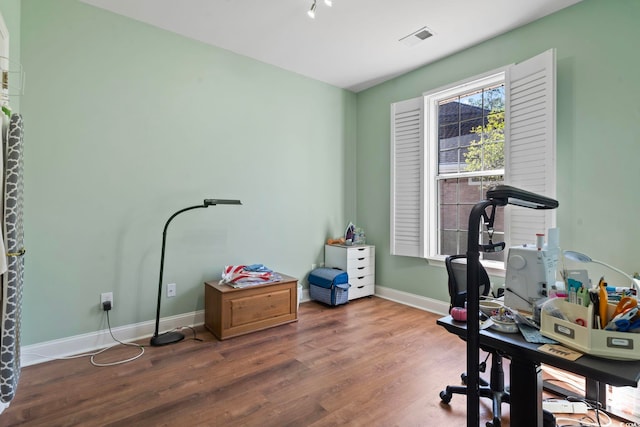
(530, 146)
(407, 178)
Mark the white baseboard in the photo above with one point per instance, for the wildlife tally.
(413, 300)
(90, 342)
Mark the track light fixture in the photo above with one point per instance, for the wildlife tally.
(312, 11)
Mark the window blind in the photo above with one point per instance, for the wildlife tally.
(407, 178)
(530, 142)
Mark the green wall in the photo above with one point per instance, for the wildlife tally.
(124, 125)
(598, 139)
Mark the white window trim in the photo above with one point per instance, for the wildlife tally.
(431, 100)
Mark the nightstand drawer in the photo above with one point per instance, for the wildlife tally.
(356, 281)
(361, 291)
(359, 252)
(366, 270)
(360, 263)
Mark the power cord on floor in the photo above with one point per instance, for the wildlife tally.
(94, 354)
(107, 307)
(119, 362)
(583, 421)
(195, 338)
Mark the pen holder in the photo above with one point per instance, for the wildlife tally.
(563, 321)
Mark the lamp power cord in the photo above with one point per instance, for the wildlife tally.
(119, 362)
(92, 355)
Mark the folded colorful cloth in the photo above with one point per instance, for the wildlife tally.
(258, 267)
(237, 274)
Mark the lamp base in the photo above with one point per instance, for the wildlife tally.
(166, 338)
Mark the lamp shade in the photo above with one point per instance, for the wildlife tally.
(213, 202)
(508, 195)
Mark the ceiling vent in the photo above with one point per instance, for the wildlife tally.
(416, 37)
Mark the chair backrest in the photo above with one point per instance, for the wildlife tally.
(457, 271)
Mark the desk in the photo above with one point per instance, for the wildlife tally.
(525, 374)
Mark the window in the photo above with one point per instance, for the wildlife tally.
(467, 138)
(449, 146)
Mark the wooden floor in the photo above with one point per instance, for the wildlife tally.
(371, 362)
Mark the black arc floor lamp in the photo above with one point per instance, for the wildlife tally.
(174, 336)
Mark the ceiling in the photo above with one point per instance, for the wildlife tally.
(352, 45)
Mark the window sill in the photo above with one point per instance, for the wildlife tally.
(493, 268)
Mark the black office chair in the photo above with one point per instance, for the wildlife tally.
(494, 390)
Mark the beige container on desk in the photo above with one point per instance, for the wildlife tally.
(596, 342)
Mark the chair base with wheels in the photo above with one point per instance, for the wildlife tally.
(493, 390)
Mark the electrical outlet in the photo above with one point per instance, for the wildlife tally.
(313, 266)
(106, 296)
(171, 290)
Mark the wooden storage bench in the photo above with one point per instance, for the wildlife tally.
(229, 312)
